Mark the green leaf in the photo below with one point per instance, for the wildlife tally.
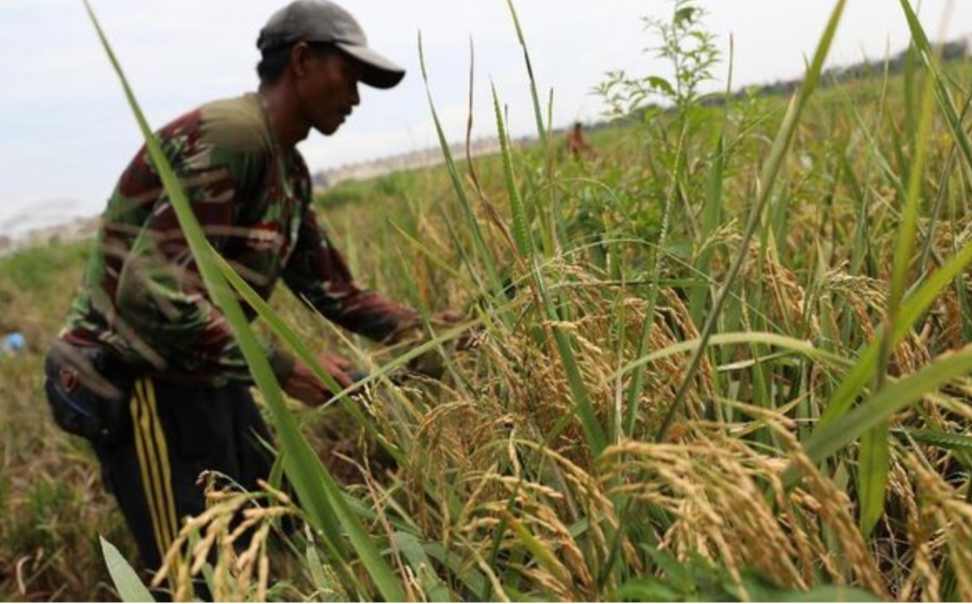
(484, 253)
(826, 593)
(760, 589)
(648, 589)
(729, 339)
(894, 397)
(945, 440)
(543, 555)
(471, 578)
(129, 586)
(550, 219)
(874, 453)
(638, 380)
(912, 308)
(521, 225)
(593, 431)
(316, 567)
(537, 111)
(873, 464)
(678, 574)
(927, 54)
(684, 14)
(711, 220)
(662, 85)
(297, 346)
(414, 553)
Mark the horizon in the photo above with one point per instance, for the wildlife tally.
(85, 109)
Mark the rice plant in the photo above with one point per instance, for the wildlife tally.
(727, 359)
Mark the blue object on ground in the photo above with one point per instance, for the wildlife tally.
(13, 342)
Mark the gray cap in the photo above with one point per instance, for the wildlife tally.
(324, 21)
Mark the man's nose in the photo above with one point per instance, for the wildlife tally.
(355, 99)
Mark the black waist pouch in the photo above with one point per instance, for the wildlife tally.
(88, 392)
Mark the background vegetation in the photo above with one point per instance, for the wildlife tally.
(581, 444)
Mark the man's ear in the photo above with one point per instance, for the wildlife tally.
(300, 54)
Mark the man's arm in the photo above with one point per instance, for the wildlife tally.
(318, 273)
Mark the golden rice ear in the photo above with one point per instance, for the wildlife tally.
(226, 545)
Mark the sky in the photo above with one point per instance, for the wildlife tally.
(66, 132)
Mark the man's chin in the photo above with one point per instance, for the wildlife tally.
(328, 129)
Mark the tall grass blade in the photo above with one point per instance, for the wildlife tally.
(767, 179)
(290, 337)
(737, 338)
(432, 585)
(521, 225)
(204, 257)
(873, 464)
(129, 586)
(637, 385)
(913, 307)
(876, 410)
(874, 458)
(542, 554)
(711, 219)
(550, 219)
(928, 56)
(537, 110)
(945, 440)
(483, 251)
(919, 302)
(593, 431)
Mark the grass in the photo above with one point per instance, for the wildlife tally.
(544, 464)
(51, 504)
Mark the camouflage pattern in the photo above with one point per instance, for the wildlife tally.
(142, 295)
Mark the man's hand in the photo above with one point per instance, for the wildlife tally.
(451, 318)
(414, 329)
(430, 363)
(447, 318)
(304, 386)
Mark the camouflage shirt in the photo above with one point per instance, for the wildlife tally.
(142, 295)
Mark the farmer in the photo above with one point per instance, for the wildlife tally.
(577, 145)
(146, 366)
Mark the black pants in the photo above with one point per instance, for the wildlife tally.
(178, 432)
(168, 435)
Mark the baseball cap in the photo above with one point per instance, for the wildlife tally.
(325, 21)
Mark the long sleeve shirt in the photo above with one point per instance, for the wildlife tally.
(142, 295)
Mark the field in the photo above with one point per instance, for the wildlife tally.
(580, 444)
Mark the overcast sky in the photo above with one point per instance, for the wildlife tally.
(66, 132)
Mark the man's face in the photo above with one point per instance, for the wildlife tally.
(327, 88)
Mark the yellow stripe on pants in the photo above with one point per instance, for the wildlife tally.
(146, 466)
(163, 456)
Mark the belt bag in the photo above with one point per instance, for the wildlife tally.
(88, 392)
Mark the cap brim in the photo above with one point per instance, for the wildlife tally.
(379, 72)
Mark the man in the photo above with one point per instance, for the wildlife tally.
(146, 366)
(577, 145)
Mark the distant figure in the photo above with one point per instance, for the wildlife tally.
(576, 143)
